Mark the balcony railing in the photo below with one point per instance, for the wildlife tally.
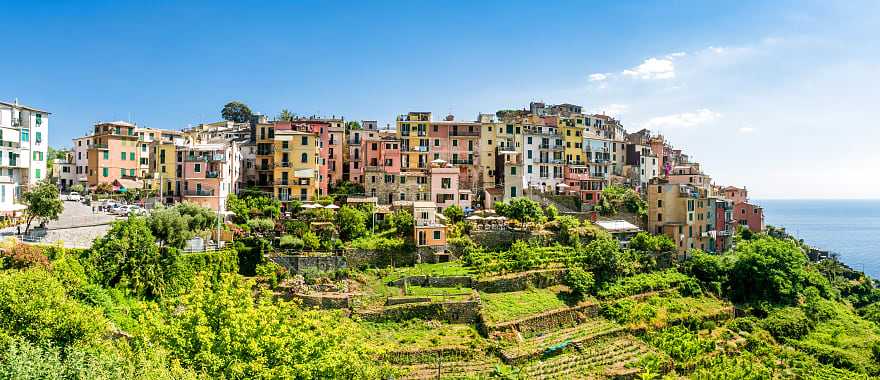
(462, 162)
(199, 193)
(419, 149)
(422, 133)
(99, 146)
(212, 175)
(283, 164)
(464, 133)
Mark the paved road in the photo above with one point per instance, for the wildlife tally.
(77, 226)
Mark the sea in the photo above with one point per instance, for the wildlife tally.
(850, 228)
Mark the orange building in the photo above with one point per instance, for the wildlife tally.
(114, 156)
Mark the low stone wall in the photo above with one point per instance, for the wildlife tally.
(391, 301)
(448, 311)
(323, 301)
(299, 264)
(551, 320)
(436, 282)
(521, 281)
(432, 355)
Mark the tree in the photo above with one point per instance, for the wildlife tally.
(286, 115)
(169, 227)
(104, 188)
(236, 111)
(768, 269)
(522, 209)
(569, 230)
(454, 213)
(402, 221)
(579, 280)
(128, 256)
(43, 202)
(353, 125)
(551, 212)
(78, 188)
(605, 259)
(352, 223)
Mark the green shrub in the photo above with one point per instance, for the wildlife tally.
(579, 280)
(788, 322)
(290, 242)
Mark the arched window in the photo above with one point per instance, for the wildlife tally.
(305, 158)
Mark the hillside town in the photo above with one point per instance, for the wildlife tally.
(554, 154)
(533, 243)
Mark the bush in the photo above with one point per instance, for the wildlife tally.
(290, 242)
(579, 280)
(788, 322)
(262, 226)
(21, 256)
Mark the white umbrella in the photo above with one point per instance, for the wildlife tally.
(331, 206)
(474, 217)
(310, 205)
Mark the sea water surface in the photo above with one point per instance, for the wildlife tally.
(850, 228)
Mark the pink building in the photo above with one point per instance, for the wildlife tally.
(445, 189)
(735, 194)
(207, 173)
(582, 184)
(749, 215)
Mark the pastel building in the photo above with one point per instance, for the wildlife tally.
(680, 212)
(207, 173)
(114, 156)
(297, 163)
(64, 171)
(427, 230)
(24, 141)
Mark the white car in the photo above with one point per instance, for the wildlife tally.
(136, 210)
(73, 196)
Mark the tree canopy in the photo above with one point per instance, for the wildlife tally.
(236, 111)
(43, 202)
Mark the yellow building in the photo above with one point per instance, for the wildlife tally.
(412, 129)
(296, 165)
(572, 130)
(488, 142)
(163, 165)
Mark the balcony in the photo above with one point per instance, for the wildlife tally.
(422, 133)
(464, 133)
(283, 164)
(99, 146)
(212, 175)
(461, 161)
(283, 182)
(422, 149)
(199, 193)
(548, 161)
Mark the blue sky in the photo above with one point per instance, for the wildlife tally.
(777, 96)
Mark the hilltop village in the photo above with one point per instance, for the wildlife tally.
(536, 243)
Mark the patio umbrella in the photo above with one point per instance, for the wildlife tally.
(331, 206)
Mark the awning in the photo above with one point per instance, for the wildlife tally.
(331, 206)
(123, 183)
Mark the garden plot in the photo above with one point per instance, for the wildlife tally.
(595, 358)
(560, 339)
(502, 307)
(449, 370)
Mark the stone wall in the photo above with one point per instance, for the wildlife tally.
(498, 240)
(448, 311)
(323, 301)
(436, 282)
(299, 264)
(521, 281)
(548, 321)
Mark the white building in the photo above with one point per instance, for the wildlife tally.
(81, 159)
(24, 140)
(64, 171)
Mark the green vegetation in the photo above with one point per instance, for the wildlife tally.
(500, 307)
(43, 204)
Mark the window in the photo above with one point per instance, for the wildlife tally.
(25, 135)
(436, 235)
(39, 138)
(37, 174)
(304, 141)
(105, 171)
(530, 169)
(304, 158)
(131, 156)
(513, 170)
(436, 142)
(122, 172)
(446, 183)
(285, 145)
(659, 217)
(123, 155)
(659, 203)
(198, 168)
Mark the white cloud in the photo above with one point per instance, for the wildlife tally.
(745, 130)
(676, 55)
(682, 120)
(613, 109)
(598, 77)
(653, 68)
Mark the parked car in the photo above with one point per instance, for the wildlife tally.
(136, 210)
(73, 196)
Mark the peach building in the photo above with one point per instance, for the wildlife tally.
(114, 156)
(428, 232)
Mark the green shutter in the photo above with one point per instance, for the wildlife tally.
(131, 156)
